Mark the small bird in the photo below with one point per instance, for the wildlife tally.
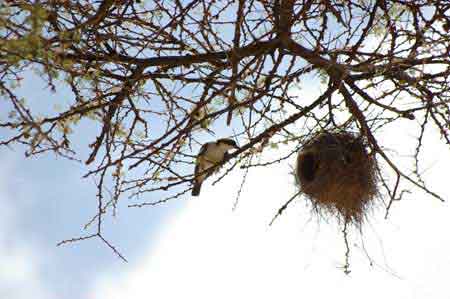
(211, 154)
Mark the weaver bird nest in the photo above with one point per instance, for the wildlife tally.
(338, 176)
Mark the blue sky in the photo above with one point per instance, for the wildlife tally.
(44, 200)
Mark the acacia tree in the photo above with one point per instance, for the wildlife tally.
(156, 77)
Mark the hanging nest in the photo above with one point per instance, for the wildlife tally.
(338, 176)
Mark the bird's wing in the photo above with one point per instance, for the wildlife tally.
(203, 149)
(197, 169)
(201, 164)
(203, 169)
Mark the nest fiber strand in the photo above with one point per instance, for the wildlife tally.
(337, 175)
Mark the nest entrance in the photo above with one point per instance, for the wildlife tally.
(338, 176)
(308, 167)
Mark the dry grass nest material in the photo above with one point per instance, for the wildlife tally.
(338, 176)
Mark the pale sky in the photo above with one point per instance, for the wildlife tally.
(208, 251)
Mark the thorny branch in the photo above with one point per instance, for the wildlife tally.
(156, 78)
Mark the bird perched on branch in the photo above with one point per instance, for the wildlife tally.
(209, 158)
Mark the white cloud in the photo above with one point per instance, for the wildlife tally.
(208, 251)
(20, 271)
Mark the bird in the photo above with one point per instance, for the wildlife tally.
(209, 158)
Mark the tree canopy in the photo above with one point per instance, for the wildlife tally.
(159, 78)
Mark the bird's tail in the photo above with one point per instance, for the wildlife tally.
(196, 189)
(229, 116)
